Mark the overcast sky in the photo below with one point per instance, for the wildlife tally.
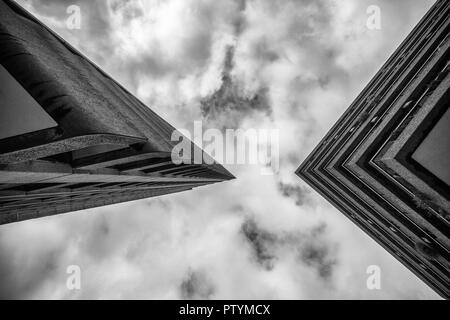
(256, 237)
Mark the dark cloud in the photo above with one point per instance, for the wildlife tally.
(229, 105)
(98, 237)
(239, 19)
(319, 258)
(261, 242)
(298, 193)
(196, 286)
(313, 247)
(315, 252)
(20, 279)
(127, 9)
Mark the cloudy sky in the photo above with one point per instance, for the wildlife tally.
(290, 65)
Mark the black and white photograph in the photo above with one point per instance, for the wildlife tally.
(224, 150)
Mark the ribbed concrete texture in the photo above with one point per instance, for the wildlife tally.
(98, 145)
(364, 165)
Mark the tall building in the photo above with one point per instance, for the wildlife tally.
(71, 137)
(385, 163)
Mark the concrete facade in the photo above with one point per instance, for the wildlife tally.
(101, 144)
(364, 164)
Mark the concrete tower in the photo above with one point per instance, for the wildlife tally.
(71, 137)
(385, 163)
